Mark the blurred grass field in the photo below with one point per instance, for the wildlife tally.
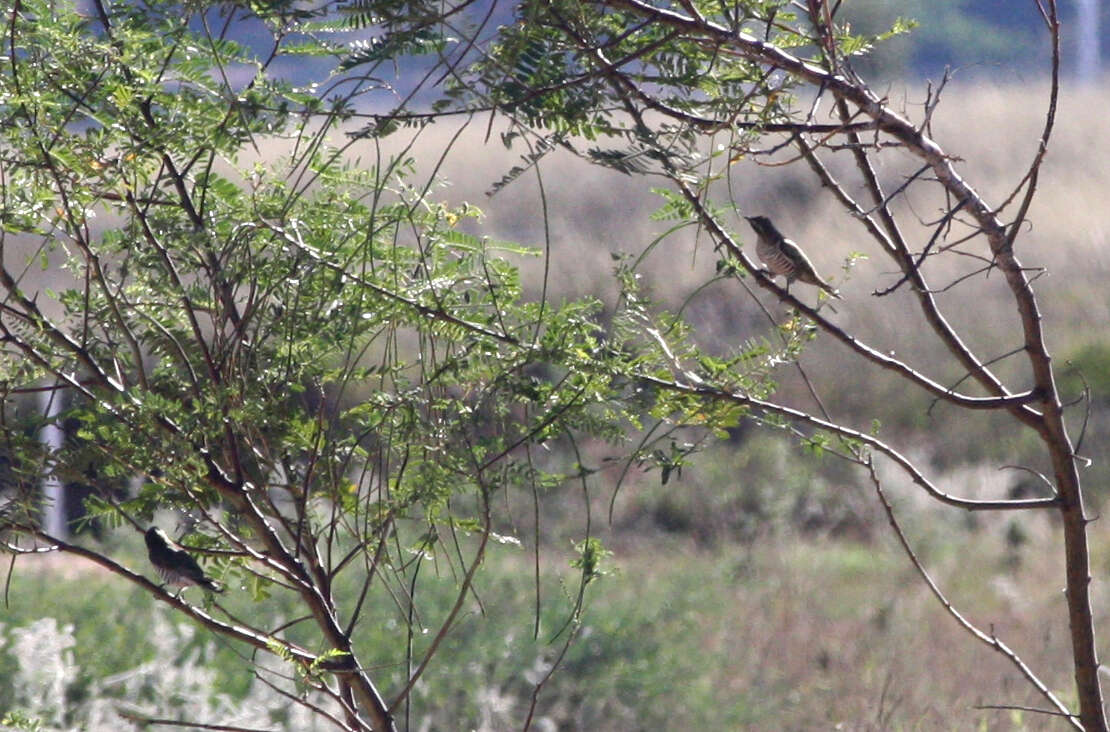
(759, 590)
(792, 631)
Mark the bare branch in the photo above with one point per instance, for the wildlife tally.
(990, 640)
(698, 388)
(1004, 401)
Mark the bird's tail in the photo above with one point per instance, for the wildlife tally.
(830, 289)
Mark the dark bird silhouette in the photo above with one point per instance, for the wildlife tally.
(784, 257)
(175, 565)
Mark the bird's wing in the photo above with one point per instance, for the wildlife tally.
(799, 257)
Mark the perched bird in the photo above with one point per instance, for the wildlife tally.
(784, 257)
(175, 565)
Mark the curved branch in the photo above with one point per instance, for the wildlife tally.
(1006, 401)
(991, 639)
(705, 391)
(921, 145)
(250, 636)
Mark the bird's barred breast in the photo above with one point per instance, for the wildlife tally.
(776, 261)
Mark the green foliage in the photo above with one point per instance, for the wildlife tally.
(16, 719)
(591, 555)
(391, 47)
(316, 351)
(316, 359)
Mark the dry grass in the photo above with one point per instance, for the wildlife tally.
(790, 632)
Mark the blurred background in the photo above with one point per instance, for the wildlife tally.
(762, 587)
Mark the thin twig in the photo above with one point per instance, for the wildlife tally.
(988, 639)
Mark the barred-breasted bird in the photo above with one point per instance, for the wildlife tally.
(784, 257)
(175, 565)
